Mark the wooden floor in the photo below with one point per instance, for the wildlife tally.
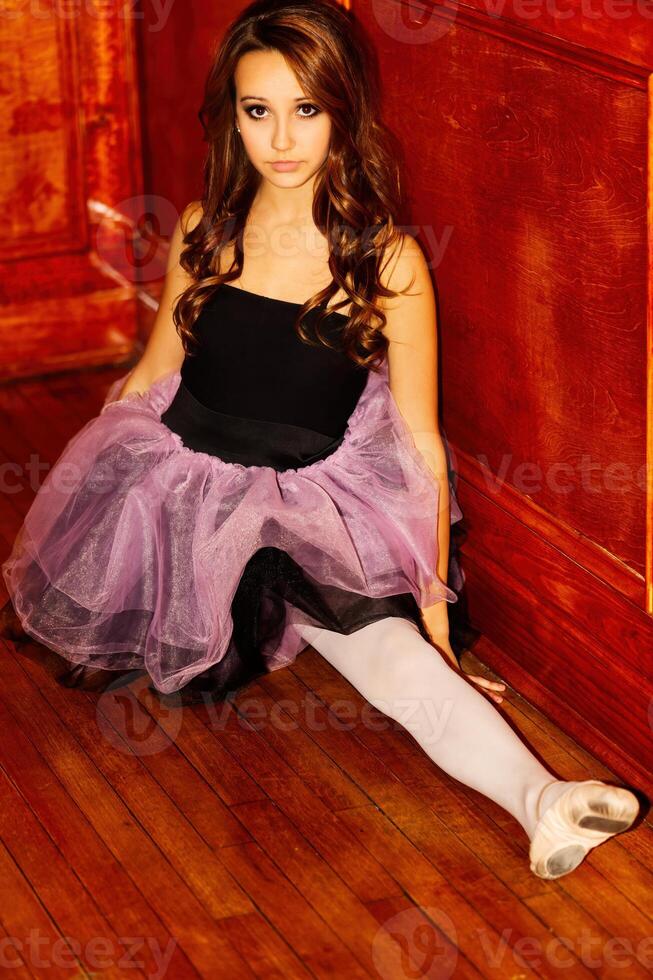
(294, 833)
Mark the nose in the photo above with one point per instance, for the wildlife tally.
(282, 138)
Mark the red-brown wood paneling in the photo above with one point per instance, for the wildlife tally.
(70, 161)
(175, 50)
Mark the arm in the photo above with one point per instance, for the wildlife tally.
(164, 350)
(411, 330)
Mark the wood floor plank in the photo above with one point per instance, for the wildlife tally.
(425, 932)
(312, 877)
(55, 884)
(126, 772)
(320, 827)
(263, 948)
(430, 889)
(107, 788)
(319, 947)
(295, 747)
(31, 926)
(136, 732)
(82, 847)
(199, 744)
(15, 955)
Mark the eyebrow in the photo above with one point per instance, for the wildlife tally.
(261, 98)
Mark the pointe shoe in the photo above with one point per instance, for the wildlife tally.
(580, 819)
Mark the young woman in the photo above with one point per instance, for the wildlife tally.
(271, 474)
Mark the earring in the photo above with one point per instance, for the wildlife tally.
(237, 129)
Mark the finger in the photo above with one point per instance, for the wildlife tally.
(495, 697)
(494, 685)
(483, 681)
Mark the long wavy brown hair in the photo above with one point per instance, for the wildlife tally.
(358, 191)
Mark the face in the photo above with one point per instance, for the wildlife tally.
(277, 120)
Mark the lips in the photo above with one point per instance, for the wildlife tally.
(286, 165)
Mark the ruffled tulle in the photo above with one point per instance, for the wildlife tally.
(132, 552)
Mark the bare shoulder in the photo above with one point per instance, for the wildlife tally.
(401, 260)
(404, 269)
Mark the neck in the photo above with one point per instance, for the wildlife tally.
(284, 205)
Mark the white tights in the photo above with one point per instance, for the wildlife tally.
(400, 673)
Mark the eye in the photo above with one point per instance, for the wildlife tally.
(309, 105)
(250, 110)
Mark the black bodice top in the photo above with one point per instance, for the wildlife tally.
(253, 392)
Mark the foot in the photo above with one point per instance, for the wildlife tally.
(581, 818)
(11, 627)
(93, 678)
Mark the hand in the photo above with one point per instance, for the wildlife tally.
(441, 643)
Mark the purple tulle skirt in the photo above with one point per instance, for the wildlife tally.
(133, 553)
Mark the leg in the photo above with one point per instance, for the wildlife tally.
(400, 673)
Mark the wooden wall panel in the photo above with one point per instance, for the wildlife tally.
(173, 87)
(70, 168)
(42, 199)
(616, 30)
